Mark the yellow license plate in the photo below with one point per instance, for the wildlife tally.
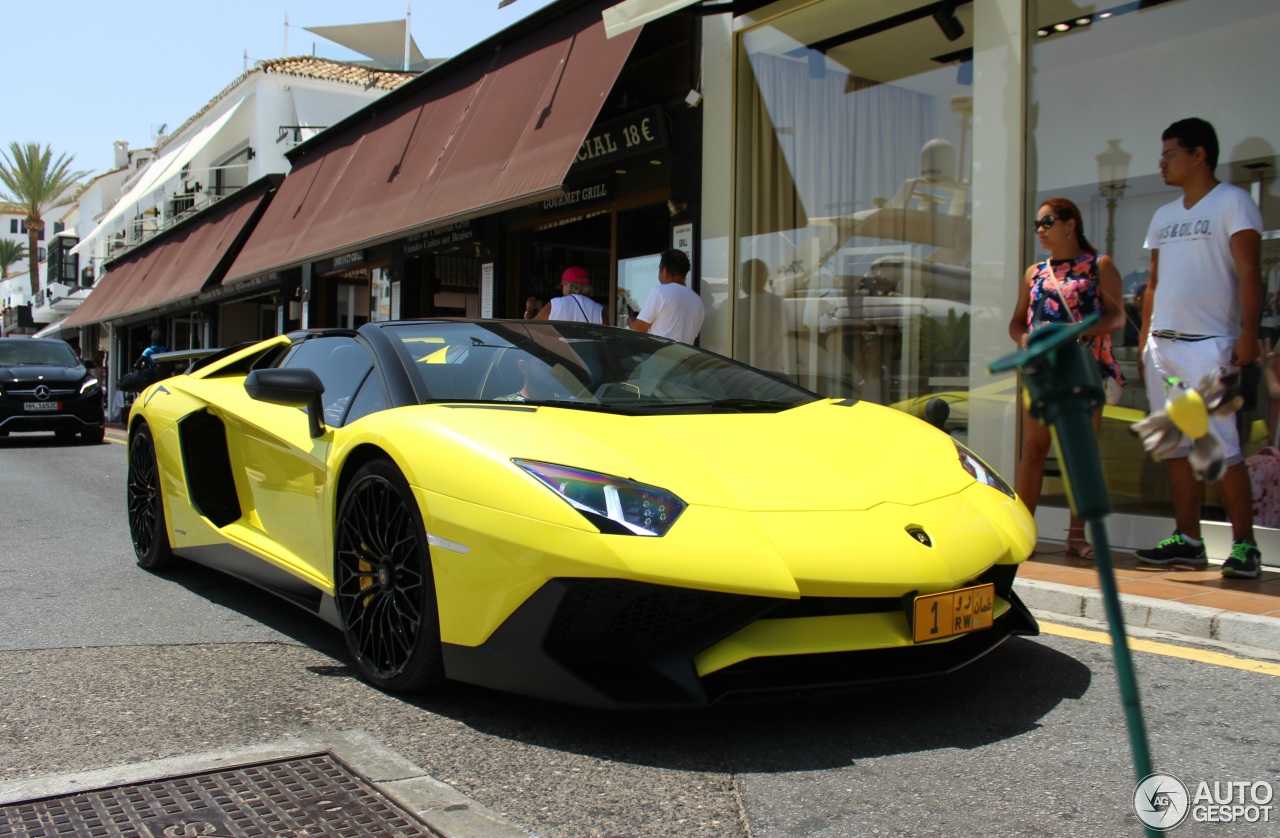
(954, 612)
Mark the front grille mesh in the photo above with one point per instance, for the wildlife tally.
(613, 619)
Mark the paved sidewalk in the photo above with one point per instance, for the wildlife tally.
(391, 777)
(1199, 604)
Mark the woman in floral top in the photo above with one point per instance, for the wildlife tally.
(1073, 283)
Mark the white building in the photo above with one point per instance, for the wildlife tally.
(237, 138)
(13, 227)
(209, 178)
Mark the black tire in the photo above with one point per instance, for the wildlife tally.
(385, 592)
(93, 436)
(146, 507)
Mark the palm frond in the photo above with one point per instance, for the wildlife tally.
(33, 181)
(10, 253)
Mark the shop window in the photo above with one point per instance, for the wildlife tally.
(380, 292)
(1095, 138)
(354, 298)
(853, 213)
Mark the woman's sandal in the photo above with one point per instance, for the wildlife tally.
(1078, 546)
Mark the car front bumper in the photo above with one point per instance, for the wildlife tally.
(74, 413)
(623, 644)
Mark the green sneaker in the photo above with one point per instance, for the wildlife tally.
(1245, 561)
(1175, 550)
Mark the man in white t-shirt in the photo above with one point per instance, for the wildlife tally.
(1204, 315)
(673, 310)
(576, 303)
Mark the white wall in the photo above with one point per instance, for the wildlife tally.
(268, 103)
(1129, 77)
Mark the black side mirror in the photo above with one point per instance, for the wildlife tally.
(936, 413)
(291, 388)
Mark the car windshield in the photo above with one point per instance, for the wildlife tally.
(580, 365)
(36, 353)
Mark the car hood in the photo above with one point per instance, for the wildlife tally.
(827, 455)
(46, 374)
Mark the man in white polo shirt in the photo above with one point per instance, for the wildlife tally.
(1203, 316)
(673, 310)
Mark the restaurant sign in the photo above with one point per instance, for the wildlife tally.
(577, 196)
(438, 238)
(637, 133)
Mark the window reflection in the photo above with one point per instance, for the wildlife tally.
(1101, 60)
(854, 205)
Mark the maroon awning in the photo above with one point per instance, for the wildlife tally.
(179, 263)
(497, 132)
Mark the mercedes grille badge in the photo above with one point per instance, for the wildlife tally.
(42, 393)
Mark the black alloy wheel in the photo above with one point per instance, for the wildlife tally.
(146, 509)
(383, 584)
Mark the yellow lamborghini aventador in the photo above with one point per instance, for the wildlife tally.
(578, 512)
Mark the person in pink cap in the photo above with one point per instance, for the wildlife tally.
(575, 304)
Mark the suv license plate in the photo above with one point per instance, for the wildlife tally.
(42, 407)
(953, 612)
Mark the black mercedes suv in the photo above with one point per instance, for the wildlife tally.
(45, 387)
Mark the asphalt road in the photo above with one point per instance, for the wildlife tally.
(102, 664)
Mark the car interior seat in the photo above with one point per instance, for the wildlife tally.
(503, 377)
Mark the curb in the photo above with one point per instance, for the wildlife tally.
(1196, 621)
(444, 807)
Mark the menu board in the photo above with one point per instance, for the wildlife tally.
(637, 276)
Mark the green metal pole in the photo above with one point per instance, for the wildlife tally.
(1064, 390)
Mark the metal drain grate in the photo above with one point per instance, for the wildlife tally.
(304, 796)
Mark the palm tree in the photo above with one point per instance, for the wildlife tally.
(34, 182)
(10, 252)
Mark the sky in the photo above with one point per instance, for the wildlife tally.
(85, 73)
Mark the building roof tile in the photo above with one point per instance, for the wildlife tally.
(309, 67)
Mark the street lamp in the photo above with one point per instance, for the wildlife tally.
(1113, 168)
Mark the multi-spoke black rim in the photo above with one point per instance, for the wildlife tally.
(379, 577)
(144, 489)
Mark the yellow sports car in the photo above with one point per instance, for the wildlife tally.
(578, 512)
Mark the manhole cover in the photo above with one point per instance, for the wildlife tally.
(303, 796)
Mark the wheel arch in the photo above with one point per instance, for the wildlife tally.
(422, 667)
(134, 423)
(355, 459)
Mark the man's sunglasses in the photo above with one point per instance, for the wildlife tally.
(1044, 222)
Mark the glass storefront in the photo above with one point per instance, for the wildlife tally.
(854, 226)
(1104, 81)
(888, 158)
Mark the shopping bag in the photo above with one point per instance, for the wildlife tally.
(1264, 478)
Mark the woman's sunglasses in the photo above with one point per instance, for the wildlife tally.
(1044, 222)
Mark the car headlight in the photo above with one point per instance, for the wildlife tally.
(90, 386)
(614, 504)
(982, 472)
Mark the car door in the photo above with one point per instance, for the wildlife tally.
(285, 468)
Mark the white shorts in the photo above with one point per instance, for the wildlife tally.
(1189, 360)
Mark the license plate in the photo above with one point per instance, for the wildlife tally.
(953, 612)
(41, 407)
